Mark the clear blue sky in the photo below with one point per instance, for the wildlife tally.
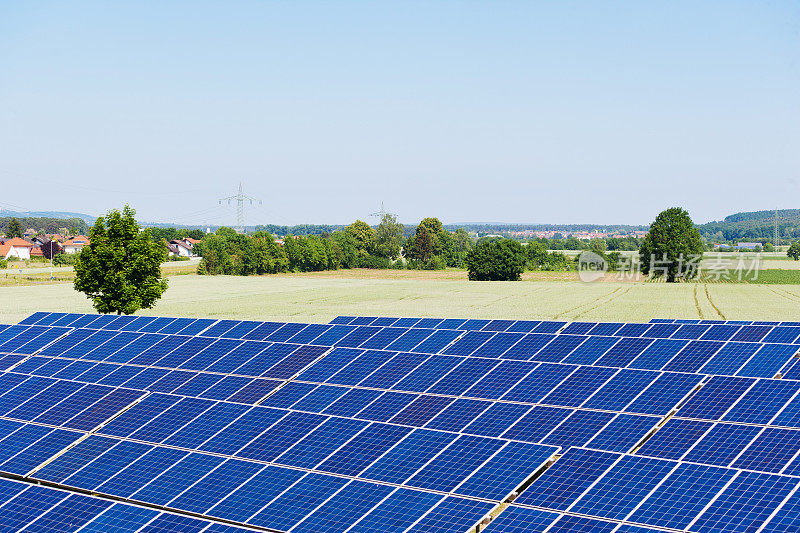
(558, 112)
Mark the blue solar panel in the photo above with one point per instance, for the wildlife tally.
(298, 501)
(397, 512)
(539, 382)
(559, 348)
(620, 390)
(394, 370)
(455, 463)
(768, 361)
(521, 520)
(564, 482)
(762, 402)
(650, 356)
(527, 347)
(578, 428)
(537, 424)
(497, 419)
(505, 471)
(458, 415)
(452, 515)
(577, 388)
(730, 358)
(435, 342)
(715, 398)
(496, 382)
(498, 345)
(621, 489)
(428, 373)
(682, 496)
(312, 449)
(745, 504)
(590, 351)
(408, 456)
(421, 410)
(409, 339)
(675, 438)
(770, 451)
(722, 444)
(463, 376)
(623, 433)
(360, 368)
(693, 356)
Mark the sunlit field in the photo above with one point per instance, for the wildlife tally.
(322, 296)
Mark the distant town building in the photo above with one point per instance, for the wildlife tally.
(75, 244)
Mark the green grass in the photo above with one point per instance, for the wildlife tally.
(318, 298)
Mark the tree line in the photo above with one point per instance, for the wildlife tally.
(358, 245)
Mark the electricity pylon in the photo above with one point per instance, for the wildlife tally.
(240, 198)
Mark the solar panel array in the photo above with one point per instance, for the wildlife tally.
(400, 424)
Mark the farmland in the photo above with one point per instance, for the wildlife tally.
(318, 297)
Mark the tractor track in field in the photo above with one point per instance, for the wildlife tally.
(697, 304)
(564, 312)
(614, 297)
(783, 294)
(708, 296)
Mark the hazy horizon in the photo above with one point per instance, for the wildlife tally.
(466, 111)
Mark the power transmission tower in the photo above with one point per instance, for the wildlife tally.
(240, 198)
(382, 213)
(776, 229)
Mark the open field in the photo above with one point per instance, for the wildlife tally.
(318, 297)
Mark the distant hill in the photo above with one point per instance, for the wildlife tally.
(89, 219)
(754, 226)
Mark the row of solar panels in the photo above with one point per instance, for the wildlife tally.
(503, 325)
(554, 384)
(250, 358)
(33, 508)
(653, 492)
(333, 333)
(756, 402)
(269, 435)
(735, 401)
(280, 498)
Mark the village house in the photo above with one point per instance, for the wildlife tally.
(15, 247)
(75, 244)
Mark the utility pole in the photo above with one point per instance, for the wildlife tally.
(240, 198)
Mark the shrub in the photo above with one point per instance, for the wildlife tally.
(3, 263)
(64, 259)
(496, 260)
(178, 258)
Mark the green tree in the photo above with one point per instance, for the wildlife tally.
(388, 237)
(794, 251)
(120, 270)
(496, 260)
(364, 237)
(423, 247)
(671, 245)
(14, 229)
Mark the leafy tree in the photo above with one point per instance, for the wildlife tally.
(364, 237)
(14, 229)
(496, 260)
(598, 246)
(388, 237)
(670, 246)
(457, 244)
(216, 257)
(794, 251)
(423, 247)
(768, 247)
(120, 270)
